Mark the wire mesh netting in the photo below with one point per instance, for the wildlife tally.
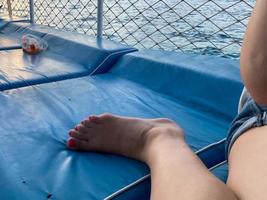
(20, 8)
(3, 8)
(209, 27)
(72, 15)
(203, 26)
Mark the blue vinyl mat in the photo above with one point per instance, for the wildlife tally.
(9, 39)
(198, 92)
(69, 55)
(7, 42)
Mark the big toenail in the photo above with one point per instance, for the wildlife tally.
(71, 143)
(76, 128)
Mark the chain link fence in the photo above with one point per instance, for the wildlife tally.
(20, 8)
(203, 26)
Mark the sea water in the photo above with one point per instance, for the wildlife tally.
(207, 27)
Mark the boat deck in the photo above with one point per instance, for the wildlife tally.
(45, 95)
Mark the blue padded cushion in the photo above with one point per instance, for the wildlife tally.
(211, 82)
(69, 55)
(2, 22)
(35, 122)
(8, 37)
(6, 42)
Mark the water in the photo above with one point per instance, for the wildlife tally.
(206, 27)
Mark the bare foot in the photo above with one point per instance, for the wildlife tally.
(129, 137)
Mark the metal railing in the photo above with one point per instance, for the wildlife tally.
(203, 26)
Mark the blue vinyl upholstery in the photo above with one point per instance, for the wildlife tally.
(2, 22)
(198, 92)
(7, 42)
(69, 55)
(8, 37)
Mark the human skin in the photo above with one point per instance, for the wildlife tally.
(253, 61)
(247, 160)
(176, 172)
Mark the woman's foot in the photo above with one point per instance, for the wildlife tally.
(131, 137)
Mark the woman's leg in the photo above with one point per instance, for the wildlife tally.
(248, 157)
(176, 171)
(248, 165)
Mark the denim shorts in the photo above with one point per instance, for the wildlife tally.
(250, 115)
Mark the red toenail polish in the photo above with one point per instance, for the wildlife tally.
(71, 143)
(76, 128)
(70, 133)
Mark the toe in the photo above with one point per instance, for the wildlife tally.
(79, 135)
(94, 119)
(88, 123)
(81, 128)
(76, 144)
(107, 116)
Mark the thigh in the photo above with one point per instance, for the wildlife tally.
(248, 165)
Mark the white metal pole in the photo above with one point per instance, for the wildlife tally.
(31, 11)
(100, 18)
(9, 8)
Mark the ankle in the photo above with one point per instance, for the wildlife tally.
(161, 141)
